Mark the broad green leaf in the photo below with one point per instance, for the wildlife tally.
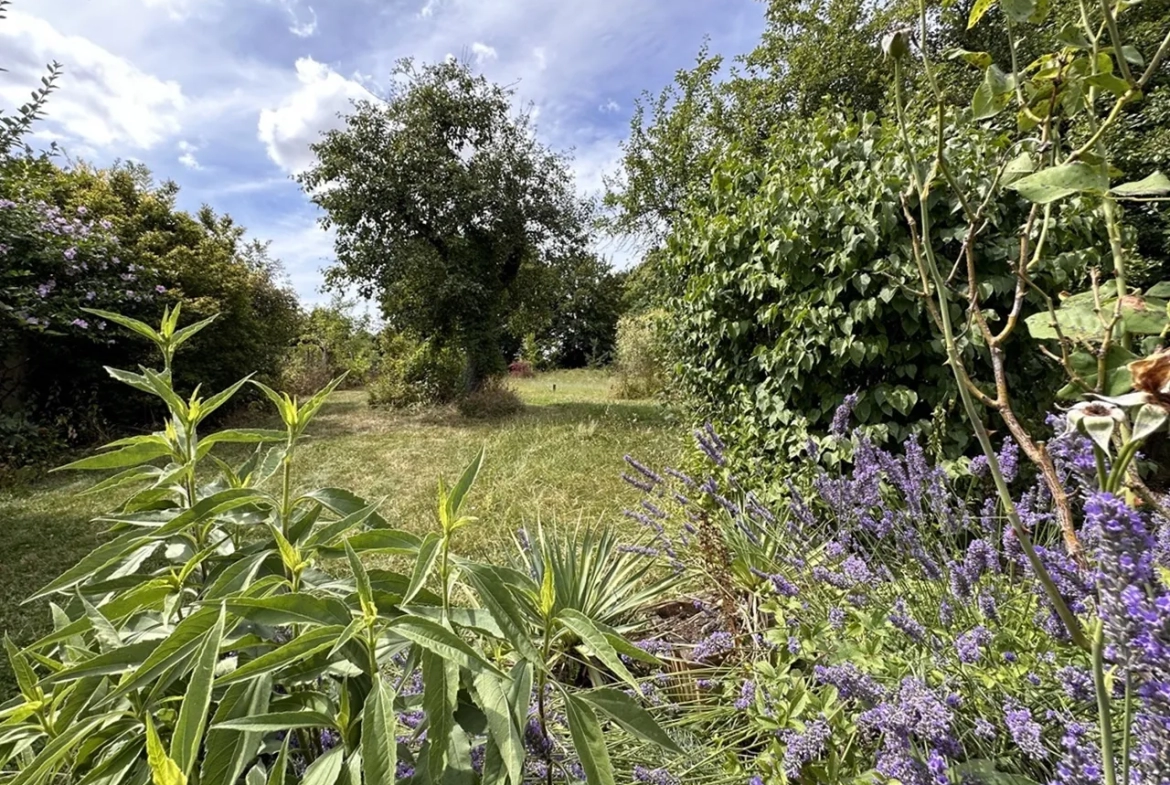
(121, 660)
(349, 633)
(150, 448)
(498, 599)
(592, 637)
(978, 59)
(188, 733)
(388, 541)
(310, 408)
(113, 767)
(588, 741)
(184, 639)
(1057, 182)
(478, 620)
(362, 579)
(299, 648)
(237, 576)
(331, 531)
(626, 712)
(379, 737)
(980, 8)
(1021, 165)
(219, 399)
(326, 769)
(229, 751)
(256, 775)
(182, 336)
(280, 767)
(520, 691)
(440, 689)
(427, 553)
(493, 701)
(163, 770)
(1156, 184)
(53, 753)
(277, 721)
(623, 646)
(26, 680)
(1018, 11)
(207, 507)
(239, 436)
(1149, 420)
(135, 380)
(143, 329)
(459, 492)
(132, 475)
(441, 641)
(341, 502)
(1160, 290)
(299, 608)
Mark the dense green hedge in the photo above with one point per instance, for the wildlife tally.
(796, 286)
(113, 239)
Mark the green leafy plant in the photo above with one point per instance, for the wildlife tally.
(229, 628)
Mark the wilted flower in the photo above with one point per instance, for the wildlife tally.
(1097, 420)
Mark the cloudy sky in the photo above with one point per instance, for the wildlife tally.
(224, 96)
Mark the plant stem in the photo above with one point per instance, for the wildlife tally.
(1104, 714)
(1125, 726)
(955, 360)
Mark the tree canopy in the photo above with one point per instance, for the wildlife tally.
(443, 202)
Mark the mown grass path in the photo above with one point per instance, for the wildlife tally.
(561, 460)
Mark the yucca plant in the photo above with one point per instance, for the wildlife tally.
(203, 642)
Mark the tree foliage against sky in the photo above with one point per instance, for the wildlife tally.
(442, 197)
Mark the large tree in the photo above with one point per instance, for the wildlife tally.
(441, 196)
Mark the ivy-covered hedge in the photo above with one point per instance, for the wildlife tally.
(796, 287)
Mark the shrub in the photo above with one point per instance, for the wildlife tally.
(305, 369)
(203, 640)
(413, 373)
(493, 400)
(797, 286)
(521, 369)
(641, 355)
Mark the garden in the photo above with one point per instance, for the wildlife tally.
(858, 476)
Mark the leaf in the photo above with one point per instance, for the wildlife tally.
(439, 640)
(1019, 166)
(427, 553)
(626, 712)
(493, 701)
(120, 660)
(229, 751)
(182, 336)
(331, 531)
(326, 769)
(985, 771)
(1018, 11)
(143, 329)
(980, 60)
(150, 448)
(455, 498)
(183, 640)
(440, 690)
(498, 598)
(1160, 290)
(163, 770)
(588, 741)
(188, 733)
(95, 562)
(379, 736)
(1057, 182)
(237, 576)
(280, 720)
(980, 8)
(280, 767)
(1149, 420)
(56, 750)
(584, 629)
(362, 579)
(1110, 82)
(341, 502)
(1156, 184)
(389, 541)
(992, 96)
(26, 680)
(299, 648)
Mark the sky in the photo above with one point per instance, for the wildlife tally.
(225, 96)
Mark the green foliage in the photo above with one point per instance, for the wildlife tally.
(332, 342)
(13, 129)
(446, 206)
(642, 356)
(113, 240)
(583, 325)
(799, 285)
(205, 629)
(411, 373)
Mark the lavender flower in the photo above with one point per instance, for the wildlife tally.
(988, 607)
(1081, 762)
(713, 645)
(984, 729)
(654, 776)
(904, 620)
(850, 682)
(747, 695)
(840, 424)
(970, 644)
(1025, 731)
(804, 747)
(836, 618)
(1077, 683)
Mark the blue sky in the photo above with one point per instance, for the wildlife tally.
(224, 96)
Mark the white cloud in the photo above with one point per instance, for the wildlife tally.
(541, 58)
(303, 29)
(428, 8)
(483, 52)
(105, 100)
(609, 107)
(188, 158)
(176, 9)
(301, 118)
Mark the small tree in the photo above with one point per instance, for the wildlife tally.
(441, 196)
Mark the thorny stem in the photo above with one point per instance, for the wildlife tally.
(927, 259)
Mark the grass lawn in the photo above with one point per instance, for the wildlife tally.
(559, 460)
